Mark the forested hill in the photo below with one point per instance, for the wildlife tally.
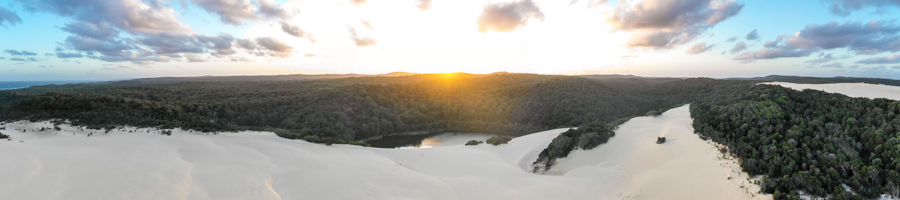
(346, 109)
(817, 80)
(808, 140)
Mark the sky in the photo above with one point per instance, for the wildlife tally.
(123, 39)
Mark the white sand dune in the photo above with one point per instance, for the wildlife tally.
(850, 89)
(259, 165)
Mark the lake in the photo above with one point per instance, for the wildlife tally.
(428, 140)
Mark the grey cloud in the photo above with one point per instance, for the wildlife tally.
(862, 38)
(773, 44)
(46, 66)
(131, 57)
(667, 23)
(833, 65)
(1, 58)
(732, 39)
(896, 67)
(247, 44)
(165, 43)
(68, 55)
(274, 44)
(195, 58)
(423, 4)
(49, 54)
(132, 16)
(505, 17)
(295, 31)
(845, 7)
(100, 31)
(237, 12)
(823, 59)
(739, 47)
(19, 53)
(17, 59)
(32, 59)
(105, 47)
(770, 53)
(699, 47)
(276, 47)
(881, 60)
(8, 17)
(753, 35)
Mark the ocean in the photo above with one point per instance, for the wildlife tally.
(8, 85)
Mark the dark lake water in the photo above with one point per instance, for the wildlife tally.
(429, 140)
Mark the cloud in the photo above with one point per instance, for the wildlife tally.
(358, 2)
(732, 39)
(19, 53)
(367, 24)
(195, 58)
(423, 4)
(17, 59)
(106, 47)
(1, 58)
(49, 54)
(46, 66)
(309, 55)
(119, 67)
(752, 35)
(32, 59)
(8, 17)
(667, 23)
(276, 47)
(699, 47)
(505, 17)
(100, 31)
(236, 12)
(133, 16)
(242, 59)
(773, 44)
(823, 59)
(770, 53)
(833, 65)
(295, 31)
(739, 47)
(360, 40)
(845, 7)
(891, 59)
(861, 38)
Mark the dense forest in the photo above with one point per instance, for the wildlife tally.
(809, 140)
(343, 110)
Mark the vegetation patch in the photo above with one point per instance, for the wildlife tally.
(809, 140)
(497, 140)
